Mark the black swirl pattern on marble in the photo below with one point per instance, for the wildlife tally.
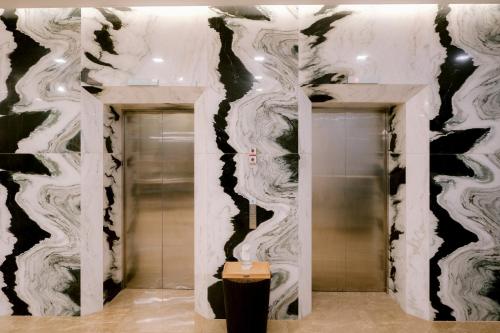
(453, 73)
(453, 234)
(325, 9)
(393, 237)
(246, 12)
(111, 236)
(237, 81)
(74, 143)
(96, 60)
(73, 287)
(112, 18)
(320, 98)
(459, 141)
(93, 90)
(111, 288)
(318, 30)
(103, 38)
(16, 126)
(328, 78)
(393, 135)
(320, 27)
(114, 117)
(293, 308)
(87, 79)
(445, 157)
(492, 288)
(26, 231)
(397, 178)
(289, 139)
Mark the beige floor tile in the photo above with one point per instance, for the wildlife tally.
(172, 311)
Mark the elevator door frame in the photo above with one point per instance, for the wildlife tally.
(150, 110)
(363, 108)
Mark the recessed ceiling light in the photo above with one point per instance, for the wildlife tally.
(362, 57)
(259, 89)
(60, 60)
(180, 79)
(158, 60)
(61, 89)
(259, 58)
(258, 77)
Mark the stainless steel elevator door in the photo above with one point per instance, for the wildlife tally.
(159, 199)
(349, 200)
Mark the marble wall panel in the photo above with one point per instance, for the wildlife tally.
(40, 221)
(255, 97)
(454, 52)
(40, 89)
(463, 161)
(251, 62)
(144, 43)
(40, 161)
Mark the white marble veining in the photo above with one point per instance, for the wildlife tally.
(91, 124)
(162, 43)
(473, 29)
(275, 240)
(264, 117)
(304, 215)
(417, 236)
(54, 202)
(91, 233)
(383, 44)
(247, 68)
(52, 84)
(471, 201)
(7, 241)
(113, 217)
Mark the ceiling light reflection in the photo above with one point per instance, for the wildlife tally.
(462, 57)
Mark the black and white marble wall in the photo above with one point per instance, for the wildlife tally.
(465, 265)
(39, 161)
(253, 51)
(113, 202)
(40, 89)
(396, 166)
(126, 45)
(453, 51)
(251, 62)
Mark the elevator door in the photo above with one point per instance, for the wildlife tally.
(159, 199)
(349, 200)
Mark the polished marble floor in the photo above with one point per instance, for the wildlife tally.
(171, 311)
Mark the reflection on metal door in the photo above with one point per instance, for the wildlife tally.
(159, 199)
(349, 200)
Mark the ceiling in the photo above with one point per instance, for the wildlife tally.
(105, 3)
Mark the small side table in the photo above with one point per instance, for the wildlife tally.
(246, 297)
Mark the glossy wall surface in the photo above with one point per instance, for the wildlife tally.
(252, 62)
